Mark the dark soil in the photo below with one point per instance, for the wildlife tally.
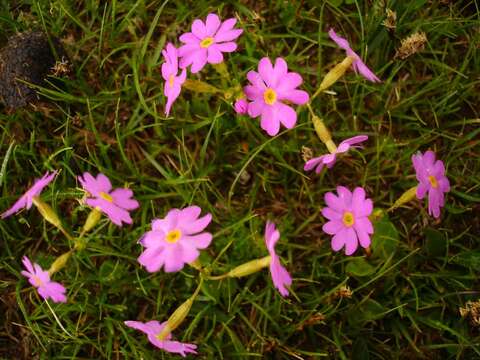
(27, 57)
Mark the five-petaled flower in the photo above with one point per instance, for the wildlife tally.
(153, 328)
(175, 240)
(173, 83)
(330, 159)
(270, 87)
(280, 276)
(26, 200)
(207, 42)
(348, 219)
(41, 280)
(116, 203)
(358, 65)
(431, 177)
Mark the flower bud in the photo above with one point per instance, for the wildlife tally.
(407, 196)
(92, 220)
(47, 212)
(250, 267)
(59, 263)
(241, 106)
(336, 73)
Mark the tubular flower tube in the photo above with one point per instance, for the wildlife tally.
(348, 219)
(280, 276)
(175, 240)
(40, 278)
(116, 204)
(357, 64)
(26, 200)
(269, 88)
(173, 83)
(330, 159)
(432, 180)
(153, 328)
(207, 42)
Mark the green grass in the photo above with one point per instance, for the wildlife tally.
(108, 117)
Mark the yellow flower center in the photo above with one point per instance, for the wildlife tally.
(171, 79)
(105, 196)
(205, 43)
(37, 280)
(348, 219)
(433, 181)
(173, 236)
(270, 96)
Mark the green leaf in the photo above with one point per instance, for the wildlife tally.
(358, 266)
(470, 259)
(436, 242)
(360, 349)
(385, 238)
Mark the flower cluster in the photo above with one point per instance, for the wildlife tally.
(206, 43)
(176, 240)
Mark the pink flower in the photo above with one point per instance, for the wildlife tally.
(173, 83)
(241, 106)
(330, 159)
(116, 204)
(431, 177)
(174, 240)
(348, 214)
(269, 87)
(280, 275)
(153, 328)
(358, 65)
(26, 199)
(207, 41)
(41, 280)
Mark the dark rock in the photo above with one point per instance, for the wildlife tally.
(26, 57)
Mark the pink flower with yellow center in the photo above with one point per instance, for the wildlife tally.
(153, 328)
(173, 83)
(270, 88)
(431, 177)
(330, 159)
(116, 203)
(175, 240)
(280, 276)
(39, 278)
(348, 219)
(358, 65)
(207, 42)
(26, 200)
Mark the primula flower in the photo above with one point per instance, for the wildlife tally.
(25, 201)
(173, 83)
(348, 214)
(269, 87)
(280, 275)
(153, 328)
(175, 240)
(116, 203)
(41, 280)
(241, 106)
(330, 159)
(358, 65)
(431, 177)
(207, 41)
